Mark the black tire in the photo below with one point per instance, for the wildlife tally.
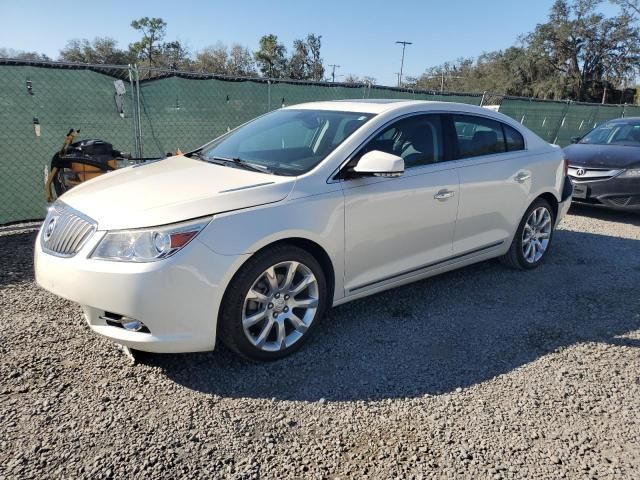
(230, 329)
(515, 257)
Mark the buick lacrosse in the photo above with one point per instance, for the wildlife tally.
(252, 237)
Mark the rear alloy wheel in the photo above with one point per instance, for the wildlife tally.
(273, 303)
(533, 237)
(536, 235)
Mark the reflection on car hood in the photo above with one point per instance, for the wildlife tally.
(172, 190)
(606, 156)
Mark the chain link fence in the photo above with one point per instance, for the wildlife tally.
(151, 113)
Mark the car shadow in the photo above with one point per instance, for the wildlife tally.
(605, 213)
(454, 330)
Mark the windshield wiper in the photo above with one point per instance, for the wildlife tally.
(255, 167)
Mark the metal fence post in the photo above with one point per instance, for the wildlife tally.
(134, 112)
(561, 123)
(140, 146)
(268, 95)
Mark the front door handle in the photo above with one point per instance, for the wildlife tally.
(522, 177)
(444, 194)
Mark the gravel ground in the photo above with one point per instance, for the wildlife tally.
(479, 373)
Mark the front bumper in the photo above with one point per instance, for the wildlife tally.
(617, 192)
(177, 298)
(565, 201)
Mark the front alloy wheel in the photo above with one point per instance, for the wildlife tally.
(280, 306)
(273, 303)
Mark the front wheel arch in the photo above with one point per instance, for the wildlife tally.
(229, 330)
(310, 246)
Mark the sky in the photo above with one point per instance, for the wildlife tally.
(358, 35)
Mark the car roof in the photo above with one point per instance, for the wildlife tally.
(624, 119)
(380, 105)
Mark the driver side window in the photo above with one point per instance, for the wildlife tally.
(417, 140)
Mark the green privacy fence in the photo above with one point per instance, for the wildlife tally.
(558, 122)
(151, 112)
(186, 110)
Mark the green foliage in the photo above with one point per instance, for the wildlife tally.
(577, 54)
(305, 62)
(22, 55)
(236, 61)
(102, 50)
(271, 57)
(149, 47)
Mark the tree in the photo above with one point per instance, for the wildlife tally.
(316, 68)
(584, 48)
(212, 59)
(629, 6)
(578, 54)
(102, 50)
(271, 57)
(299, 68)
(149, 47)
(305, 62)
(175, 56)
(241, 62)
(298, 62)
(236, 61)
(22, 55)
(351, 78)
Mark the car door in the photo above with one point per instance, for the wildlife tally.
(394, 227)
(494, 182)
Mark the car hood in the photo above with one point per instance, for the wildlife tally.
(608, 156)
(171, 190)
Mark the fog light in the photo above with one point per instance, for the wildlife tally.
(131, 324)
(120, 321)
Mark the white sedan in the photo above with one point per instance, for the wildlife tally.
(253, 236)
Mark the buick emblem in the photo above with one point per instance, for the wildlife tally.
(51, 226)
(580, 172)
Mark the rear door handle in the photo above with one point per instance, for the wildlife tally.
(444, 194)
(522, 177)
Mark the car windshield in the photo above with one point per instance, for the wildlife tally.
(617, 132)
(285, 142)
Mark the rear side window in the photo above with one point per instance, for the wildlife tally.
(514, 138)
(478, 136)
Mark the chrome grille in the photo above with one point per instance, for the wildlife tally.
(65, 230)
(584, 174)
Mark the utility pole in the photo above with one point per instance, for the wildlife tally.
(404, 45)
(333, 72)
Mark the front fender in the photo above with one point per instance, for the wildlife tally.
(318, 218)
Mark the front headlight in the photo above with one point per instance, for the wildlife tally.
(633, 173)
(148, 244)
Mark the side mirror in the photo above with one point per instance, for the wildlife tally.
(380, 164)
(575, 139)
